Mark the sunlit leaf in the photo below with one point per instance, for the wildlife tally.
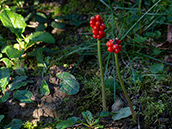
(69, 84)
(23, 96)
(44, 89)
(39, 36)
(67, 123)
(14, 124)
(7, 62)
(13, 21)
(18, 82)
(13, 53)
(4, 78)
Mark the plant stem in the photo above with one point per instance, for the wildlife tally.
(123, 88)
(102, 76)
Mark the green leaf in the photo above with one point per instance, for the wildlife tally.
(1, 117)
(88, 116)
(40, 17)
(58, 25)
(13, 21)
(3, 42)
(109, 83)
(156, 51)
(157, 68)
(18, 82)
(23, 96)
(41, 27)
(7, 62)
(69, 84)
(44, 89)
(122, 113)
(13, 53)
(14, 124)
(140, 39)
(104, 114)
(4, 98)
(67, 123)
(156, 34)
(4, 78)
(39, 36)
(0, 55)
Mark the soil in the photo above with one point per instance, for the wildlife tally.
(45, 107)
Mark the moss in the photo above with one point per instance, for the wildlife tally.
(89, 98)
(155, 100)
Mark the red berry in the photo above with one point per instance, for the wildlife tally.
(116, 51)
(95, 32)
(101, 32)
(92, 22)
(117, 41)
(110, 49)
(120, 47)
(94, 36)
(96, 28)
(99, 36)
(109, 44)
(102, 26)
(92, 18)
(97, 23)
(101, 20)
(111, 40)
(97, 17)
(91, 25)
(115, 46)
(104, 34)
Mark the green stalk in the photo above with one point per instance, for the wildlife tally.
(123, 87)
(102, 76)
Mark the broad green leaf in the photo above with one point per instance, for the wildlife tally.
(0, 55)
(88, 116)
(156, 68)
(23, 96)
(14, 124)
(39, 36)
(13, 21)
(4, 78)
(7, 62)
(69, 84)
(58, 25)
(44, 89)
(1, 117)
(140, 39)
(13, 53)
(40, 17)
(122, 113)
(41, 27)
(67, 123)
(104, 114)
(4, 98)
(18, 82)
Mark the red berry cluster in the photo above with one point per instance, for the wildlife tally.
(114, 47)
(98, 26)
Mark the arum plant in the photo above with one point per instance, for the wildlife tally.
(98, 26)
(116, 49)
